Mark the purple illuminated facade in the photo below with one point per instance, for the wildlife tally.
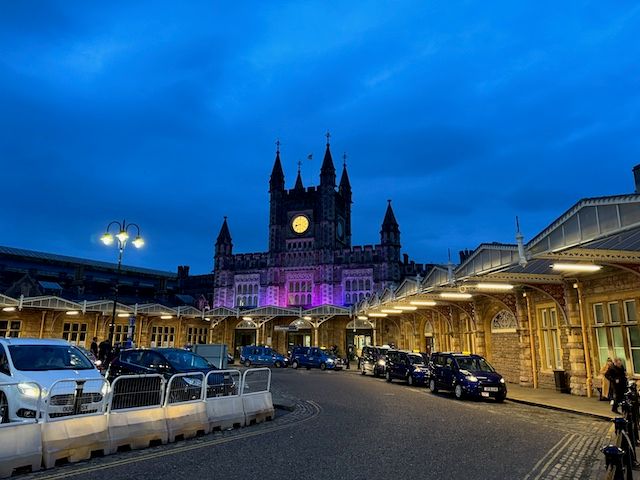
(310, 260)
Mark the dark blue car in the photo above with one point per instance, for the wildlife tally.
(466, 375)
(406, 366)
(262, 356)
(314, 357)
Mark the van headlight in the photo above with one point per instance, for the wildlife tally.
(502, 380)
(29, 390)
(472, 378)
(417, 370)
(382, 363)
(330, 360)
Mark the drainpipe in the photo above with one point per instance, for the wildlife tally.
(532, 344)
(585, 342)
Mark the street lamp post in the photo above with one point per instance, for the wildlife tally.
(122, 236)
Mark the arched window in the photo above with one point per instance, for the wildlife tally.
(504, 322)
(361, 284)
(361, 296)
(239, 289)
(347, 285)
(297, 299)
(308, 299)
(348, 298)
(255, 301)
(368, 284)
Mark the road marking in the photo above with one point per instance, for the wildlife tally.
(187, 448)
(555, 450)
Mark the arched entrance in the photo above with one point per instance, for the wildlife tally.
(299, 334)
(359, 335)
(505, 346)
(245, 334)
(429, 337)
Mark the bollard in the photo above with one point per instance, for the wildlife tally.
(620, 424)
(614, 459)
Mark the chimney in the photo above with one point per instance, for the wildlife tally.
(406, 258)
(636, 177)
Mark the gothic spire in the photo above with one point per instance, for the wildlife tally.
(276, 182)
(389, 224)
(345, 184)
(224, 237)
(328, 171)
(299, 185)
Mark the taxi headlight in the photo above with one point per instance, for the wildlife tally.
(418, 370)
(330, 360)
(502, 380)
(29, 390)
(382, 363)
(193, 382)
(472, 378)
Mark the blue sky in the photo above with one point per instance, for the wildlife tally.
(466, 114)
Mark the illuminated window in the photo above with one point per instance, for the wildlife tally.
(617, 335)
(10, 328)
(197, 335)
(75, 333)
(162, 336)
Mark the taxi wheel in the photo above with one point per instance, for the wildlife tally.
(500, 398)
(295, 365)
(247, 363)
(432, 386)
(323, 366)
(278, 364)
(4, 408)
(362, 371)
(410, 380)
(388, 377)
(458, 392)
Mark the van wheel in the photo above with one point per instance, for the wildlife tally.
(4, 408)
(323, 366)
(278, 364)
(500, 398)
(362, 371)
(295, 364)
(388, 377)
(458, 392)
(410, 380)
(432, 386)
(247, 363)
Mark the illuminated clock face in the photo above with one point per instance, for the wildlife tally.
(300, 224)
(340, 229)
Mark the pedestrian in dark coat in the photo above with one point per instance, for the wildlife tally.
(617, 375)
(104, 351)
(94, 347)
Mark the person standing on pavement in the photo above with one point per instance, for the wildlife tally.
(617, 375)
(605, 393)
(104, 351)
(94, 347)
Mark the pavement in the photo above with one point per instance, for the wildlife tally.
(345, 426)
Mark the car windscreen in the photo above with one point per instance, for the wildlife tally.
(474, 364)
(184, 360)
(40, 358)
(416, 360)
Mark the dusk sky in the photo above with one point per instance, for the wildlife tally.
(465, 114)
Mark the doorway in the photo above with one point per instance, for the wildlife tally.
(243, 338)
(357, 340)
(301, 338)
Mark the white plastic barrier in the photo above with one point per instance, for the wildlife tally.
(256, 397)
(185, 408)
(20, 441)
(136, 416)
(223, 400)
(74, 420)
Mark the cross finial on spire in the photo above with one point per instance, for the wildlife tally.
(344, 159)
(277, 145)
(389, 201)
(299, 165)
(328, 135)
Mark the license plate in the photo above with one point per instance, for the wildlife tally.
(69, 408)
(490, 389)
(484, 394)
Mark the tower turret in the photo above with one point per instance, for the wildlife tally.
(223, 248)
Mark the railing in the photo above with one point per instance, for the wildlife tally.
(620, 456)
(137, 392)
(73, 397)
(256, 380)
(185, 387)
(223, 383)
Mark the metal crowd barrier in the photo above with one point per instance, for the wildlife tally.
(74, 420)
(20, 440)
(78, 417)
(257, 402)
(620, 456)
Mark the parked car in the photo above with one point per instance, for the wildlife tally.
(98, 363)
(406, 366)
(36, 365)
(373, 360)
(168, 362)
(466, 375)
(262, 356)
(314, 357)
